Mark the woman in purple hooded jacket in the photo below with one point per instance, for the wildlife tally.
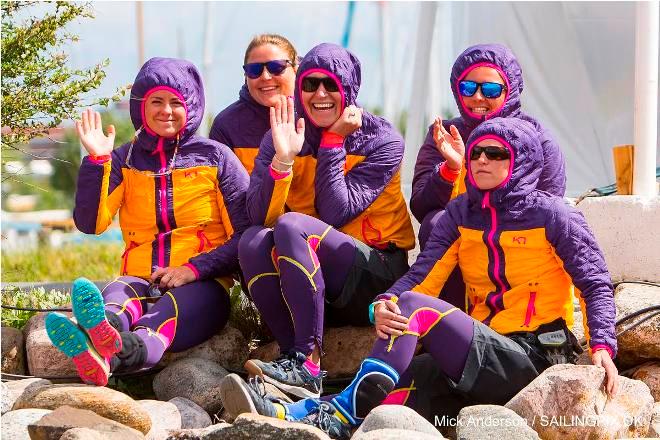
(270, 65)
(181, 205)
(333, 225)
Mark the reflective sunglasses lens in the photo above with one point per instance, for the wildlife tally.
(253, 70)
(467, 88)
(491, 90)
(276, 67)
(310, 84)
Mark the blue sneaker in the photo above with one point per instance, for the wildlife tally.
(89, 311)
(329, 420)
(288, 374)
(67, 337)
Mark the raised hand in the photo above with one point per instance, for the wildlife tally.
(450, 145)
(288, 137)
(349, 121)
(91, 134)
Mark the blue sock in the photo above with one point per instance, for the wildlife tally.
(298, 410)
(373, 381)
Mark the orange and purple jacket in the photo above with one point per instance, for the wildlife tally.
(353, 184)
(520, 250)
(193, 216)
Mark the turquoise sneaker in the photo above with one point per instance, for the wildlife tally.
(89, 310)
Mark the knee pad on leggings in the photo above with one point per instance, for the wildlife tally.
(370, 392)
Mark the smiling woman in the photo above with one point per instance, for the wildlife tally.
(164, 113)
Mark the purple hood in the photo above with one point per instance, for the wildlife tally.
(500, 58)
(178, 76)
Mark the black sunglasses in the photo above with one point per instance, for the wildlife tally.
(492, 153)
(275, 67)
(311, 84)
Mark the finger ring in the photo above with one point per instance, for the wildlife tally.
(350, 115)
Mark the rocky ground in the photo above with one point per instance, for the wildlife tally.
(565, 402)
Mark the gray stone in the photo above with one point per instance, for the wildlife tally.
(643, 342)
(164, 416)
(193, 416)
(654, 430)
(228, 348)
(15, 423)
(253, 426)
(568, 401)
(16, 388)
(52, 426)
(198, 433)
(43, 359)
(7, 401)
(195, 379)
(650, 374)
(396, 417)
(394, 434)
(485, 422)
(13, 351)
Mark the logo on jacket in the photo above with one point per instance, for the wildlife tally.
(520, 240)
(190, 174)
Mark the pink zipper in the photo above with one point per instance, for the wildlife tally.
(531, 310)
(162, 192)
(491, 234)
(203, 240)
(124, 256)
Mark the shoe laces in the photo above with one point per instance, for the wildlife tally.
(258, 385)
(321, 417)
(286, 362)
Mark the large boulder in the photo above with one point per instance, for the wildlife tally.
(13, 351)
(193, 416)
(103, 401)
(44, 360)
(15, 423)
(252, 426)
(650, 375)
(164, 416)
(485, 422)
(52, 426)
(228, 348)
(193, 378)
(395, 434)
(82, 434)
(16, 388)
(654, 431)
(6, 401)
(210, 432)
(396, 417)
(643, 342)
(568, 401)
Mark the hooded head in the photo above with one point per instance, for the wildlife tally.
(177, 76)
(340, 65)
(501, 59)
(526, 163)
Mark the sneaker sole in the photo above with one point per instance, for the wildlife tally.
(254, 370)
(235, 399)
(89, 310)
(70, 340)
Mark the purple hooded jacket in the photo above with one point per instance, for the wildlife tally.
(339, 182)
(519, 248)
(430, 191)
(193, 215)
(241, 126)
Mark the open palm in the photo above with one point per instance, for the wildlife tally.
(449, 144)
(288, 137)
(91, 134)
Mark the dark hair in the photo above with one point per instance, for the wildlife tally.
(275, 40)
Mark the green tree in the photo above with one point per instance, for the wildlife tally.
(39, 90)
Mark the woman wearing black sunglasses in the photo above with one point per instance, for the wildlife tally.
(270, 65)
(333, 225)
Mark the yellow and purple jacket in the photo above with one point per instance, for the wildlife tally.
(520, 250)
(180, 202)
(353, 184)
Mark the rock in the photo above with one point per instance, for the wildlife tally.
(164, 416)
(7, 402)
(52, 426)
(394, 434)
(207, 433)
(643, 342)
(485, 422)
(345, 349)
(192, 415)
(650, 375)
(266, 353)
(396, 417)
(228, 348)
(568, 401)
(578, 327)
(654, 430)
(81, 434)
(16, 388)
(251, 426)
(15, 423)
(193, 378)
(43, 359)
(13, 351)
(103, 401)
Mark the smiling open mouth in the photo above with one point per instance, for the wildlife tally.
(480, 110)
(323, 106)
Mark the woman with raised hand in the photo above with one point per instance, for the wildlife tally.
(269, 66)
(333, 226)
(181, 204)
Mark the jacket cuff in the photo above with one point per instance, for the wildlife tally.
(331, 140)
(597, 347)
(99, 159)
(194, 269)
(447, 173)
(277, 175)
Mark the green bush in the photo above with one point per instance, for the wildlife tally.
(30, 298)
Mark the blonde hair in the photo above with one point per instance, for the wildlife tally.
(275, 40)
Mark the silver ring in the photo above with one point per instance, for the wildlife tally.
(350, 115)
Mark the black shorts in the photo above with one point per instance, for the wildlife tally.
(373, 272)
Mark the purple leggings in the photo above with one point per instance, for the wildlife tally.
(291, 270)
(182, 318)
